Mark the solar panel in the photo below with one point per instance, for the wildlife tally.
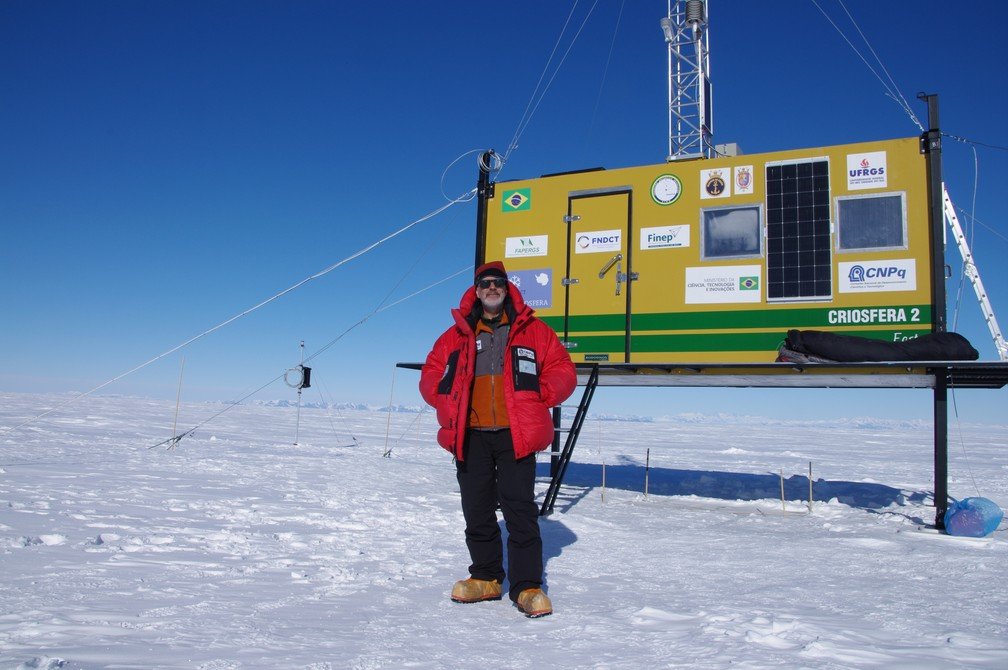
(798, 230)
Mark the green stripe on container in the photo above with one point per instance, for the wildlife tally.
(803, 317)
(759, 341)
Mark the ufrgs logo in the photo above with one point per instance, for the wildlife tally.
(867, 170)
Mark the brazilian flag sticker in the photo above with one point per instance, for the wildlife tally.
(517, 200)
(748, 283)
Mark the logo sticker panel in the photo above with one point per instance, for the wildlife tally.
(664, 237)
(536, 286)
(726, 284)
(868, 170)
(743, 179)
(598, 241)
(877, 276)
(714, 183)
(530, 245)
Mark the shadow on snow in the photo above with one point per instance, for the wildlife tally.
(582, 478)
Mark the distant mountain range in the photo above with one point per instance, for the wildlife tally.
(690, 418)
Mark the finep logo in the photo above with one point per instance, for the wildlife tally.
(664, 237)
(598, 241)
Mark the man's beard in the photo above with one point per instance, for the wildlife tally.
(493, 304)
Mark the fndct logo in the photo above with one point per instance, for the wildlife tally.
(598, 241)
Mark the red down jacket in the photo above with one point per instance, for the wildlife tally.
(447, 375)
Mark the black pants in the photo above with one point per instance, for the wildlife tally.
(490, 473)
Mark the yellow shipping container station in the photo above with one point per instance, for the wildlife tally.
(714, 260)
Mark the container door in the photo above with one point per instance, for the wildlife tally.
(598, 279)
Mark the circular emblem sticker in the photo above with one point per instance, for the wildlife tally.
(666, 189)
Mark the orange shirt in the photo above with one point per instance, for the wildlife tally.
(487, 407)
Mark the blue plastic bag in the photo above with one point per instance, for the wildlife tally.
(973, 517)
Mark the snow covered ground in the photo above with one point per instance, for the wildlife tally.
(239, 549)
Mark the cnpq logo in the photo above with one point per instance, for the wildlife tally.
(859, 273)
(895, 274)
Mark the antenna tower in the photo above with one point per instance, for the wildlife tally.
(691, 125)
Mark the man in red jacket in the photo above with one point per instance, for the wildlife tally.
(493, 377)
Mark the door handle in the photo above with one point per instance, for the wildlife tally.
(608, 266)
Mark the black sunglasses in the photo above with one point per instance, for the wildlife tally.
(499, 282)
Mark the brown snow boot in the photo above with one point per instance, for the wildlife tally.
(534, 603)
(475, 590)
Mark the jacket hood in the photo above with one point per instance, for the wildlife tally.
(469, 302)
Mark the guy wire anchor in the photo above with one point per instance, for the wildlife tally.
(298, 378)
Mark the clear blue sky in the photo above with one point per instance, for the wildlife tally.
(166, 165)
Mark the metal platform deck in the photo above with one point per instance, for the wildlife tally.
(890, 374)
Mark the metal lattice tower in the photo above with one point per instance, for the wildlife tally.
(689, 94)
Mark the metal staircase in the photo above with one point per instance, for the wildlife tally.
(559, 465)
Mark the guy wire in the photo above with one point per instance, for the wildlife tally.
(897, 96)
(171, 442)
(246, 312)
